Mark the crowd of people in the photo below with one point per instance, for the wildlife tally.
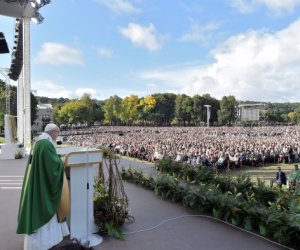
(220, 147)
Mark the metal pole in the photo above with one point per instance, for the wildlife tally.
(20, 109)
(27, 84)
(208, 113)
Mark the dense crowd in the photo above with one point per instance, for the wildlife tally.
(221, 147)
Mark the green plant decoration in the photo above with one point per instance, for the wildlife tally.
(110, 201)
(114, 230)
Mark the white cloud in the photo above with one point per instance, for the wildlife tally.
(199, 33)
(279, 5)
(119, 6)
(55, 90)
(276, 6)
(50, 89)
(142, 36)
(59, 54)
(243, 6)
(105, 52)
(256, 65)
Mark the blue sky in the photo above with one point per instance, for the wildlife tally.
(246, 48)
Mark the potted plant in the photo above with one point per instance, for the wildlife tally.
(197, 198)
(235, 208)
(18, 155)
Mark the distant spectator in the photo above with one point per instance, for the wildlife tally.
(280, 177)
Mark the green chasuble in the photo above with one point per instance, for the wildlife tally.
(42, 187)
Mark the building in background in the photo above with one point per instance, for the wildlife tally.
(44, 116)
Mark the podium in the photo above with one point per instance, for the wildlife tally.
(82, 163)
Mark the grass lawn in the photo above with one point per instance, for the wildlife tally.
(2, 139)
(265, 172)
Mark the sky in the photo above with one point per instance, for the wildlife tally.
(246, 48)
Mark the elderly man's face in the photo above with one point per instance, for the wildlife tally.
(54, 134)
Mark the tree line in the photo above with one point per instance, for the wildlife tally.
(159, 109)
(167, 109)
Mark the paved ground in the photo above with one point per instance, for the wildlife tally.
(182, 233)
(11, 172)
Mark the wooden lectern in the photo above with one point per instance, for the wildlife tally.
(83, 168)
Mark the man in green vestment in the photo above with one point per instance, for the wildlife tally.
(294, 180)
(41, 194)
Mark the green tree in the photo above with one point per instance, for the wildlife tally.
(86, 105)
(112, 110)
(198, 110)
(74, 112)
(291, 116)
(146, 108)
(295, 116)
(227, 111)
(183, 109)
(274, 115)
(98, 111)
(67, 113)
(56, 114)
(129, 109)
(164, 109)
(278, 112)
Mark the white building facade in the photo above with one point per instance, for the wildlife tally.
(44, 116)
